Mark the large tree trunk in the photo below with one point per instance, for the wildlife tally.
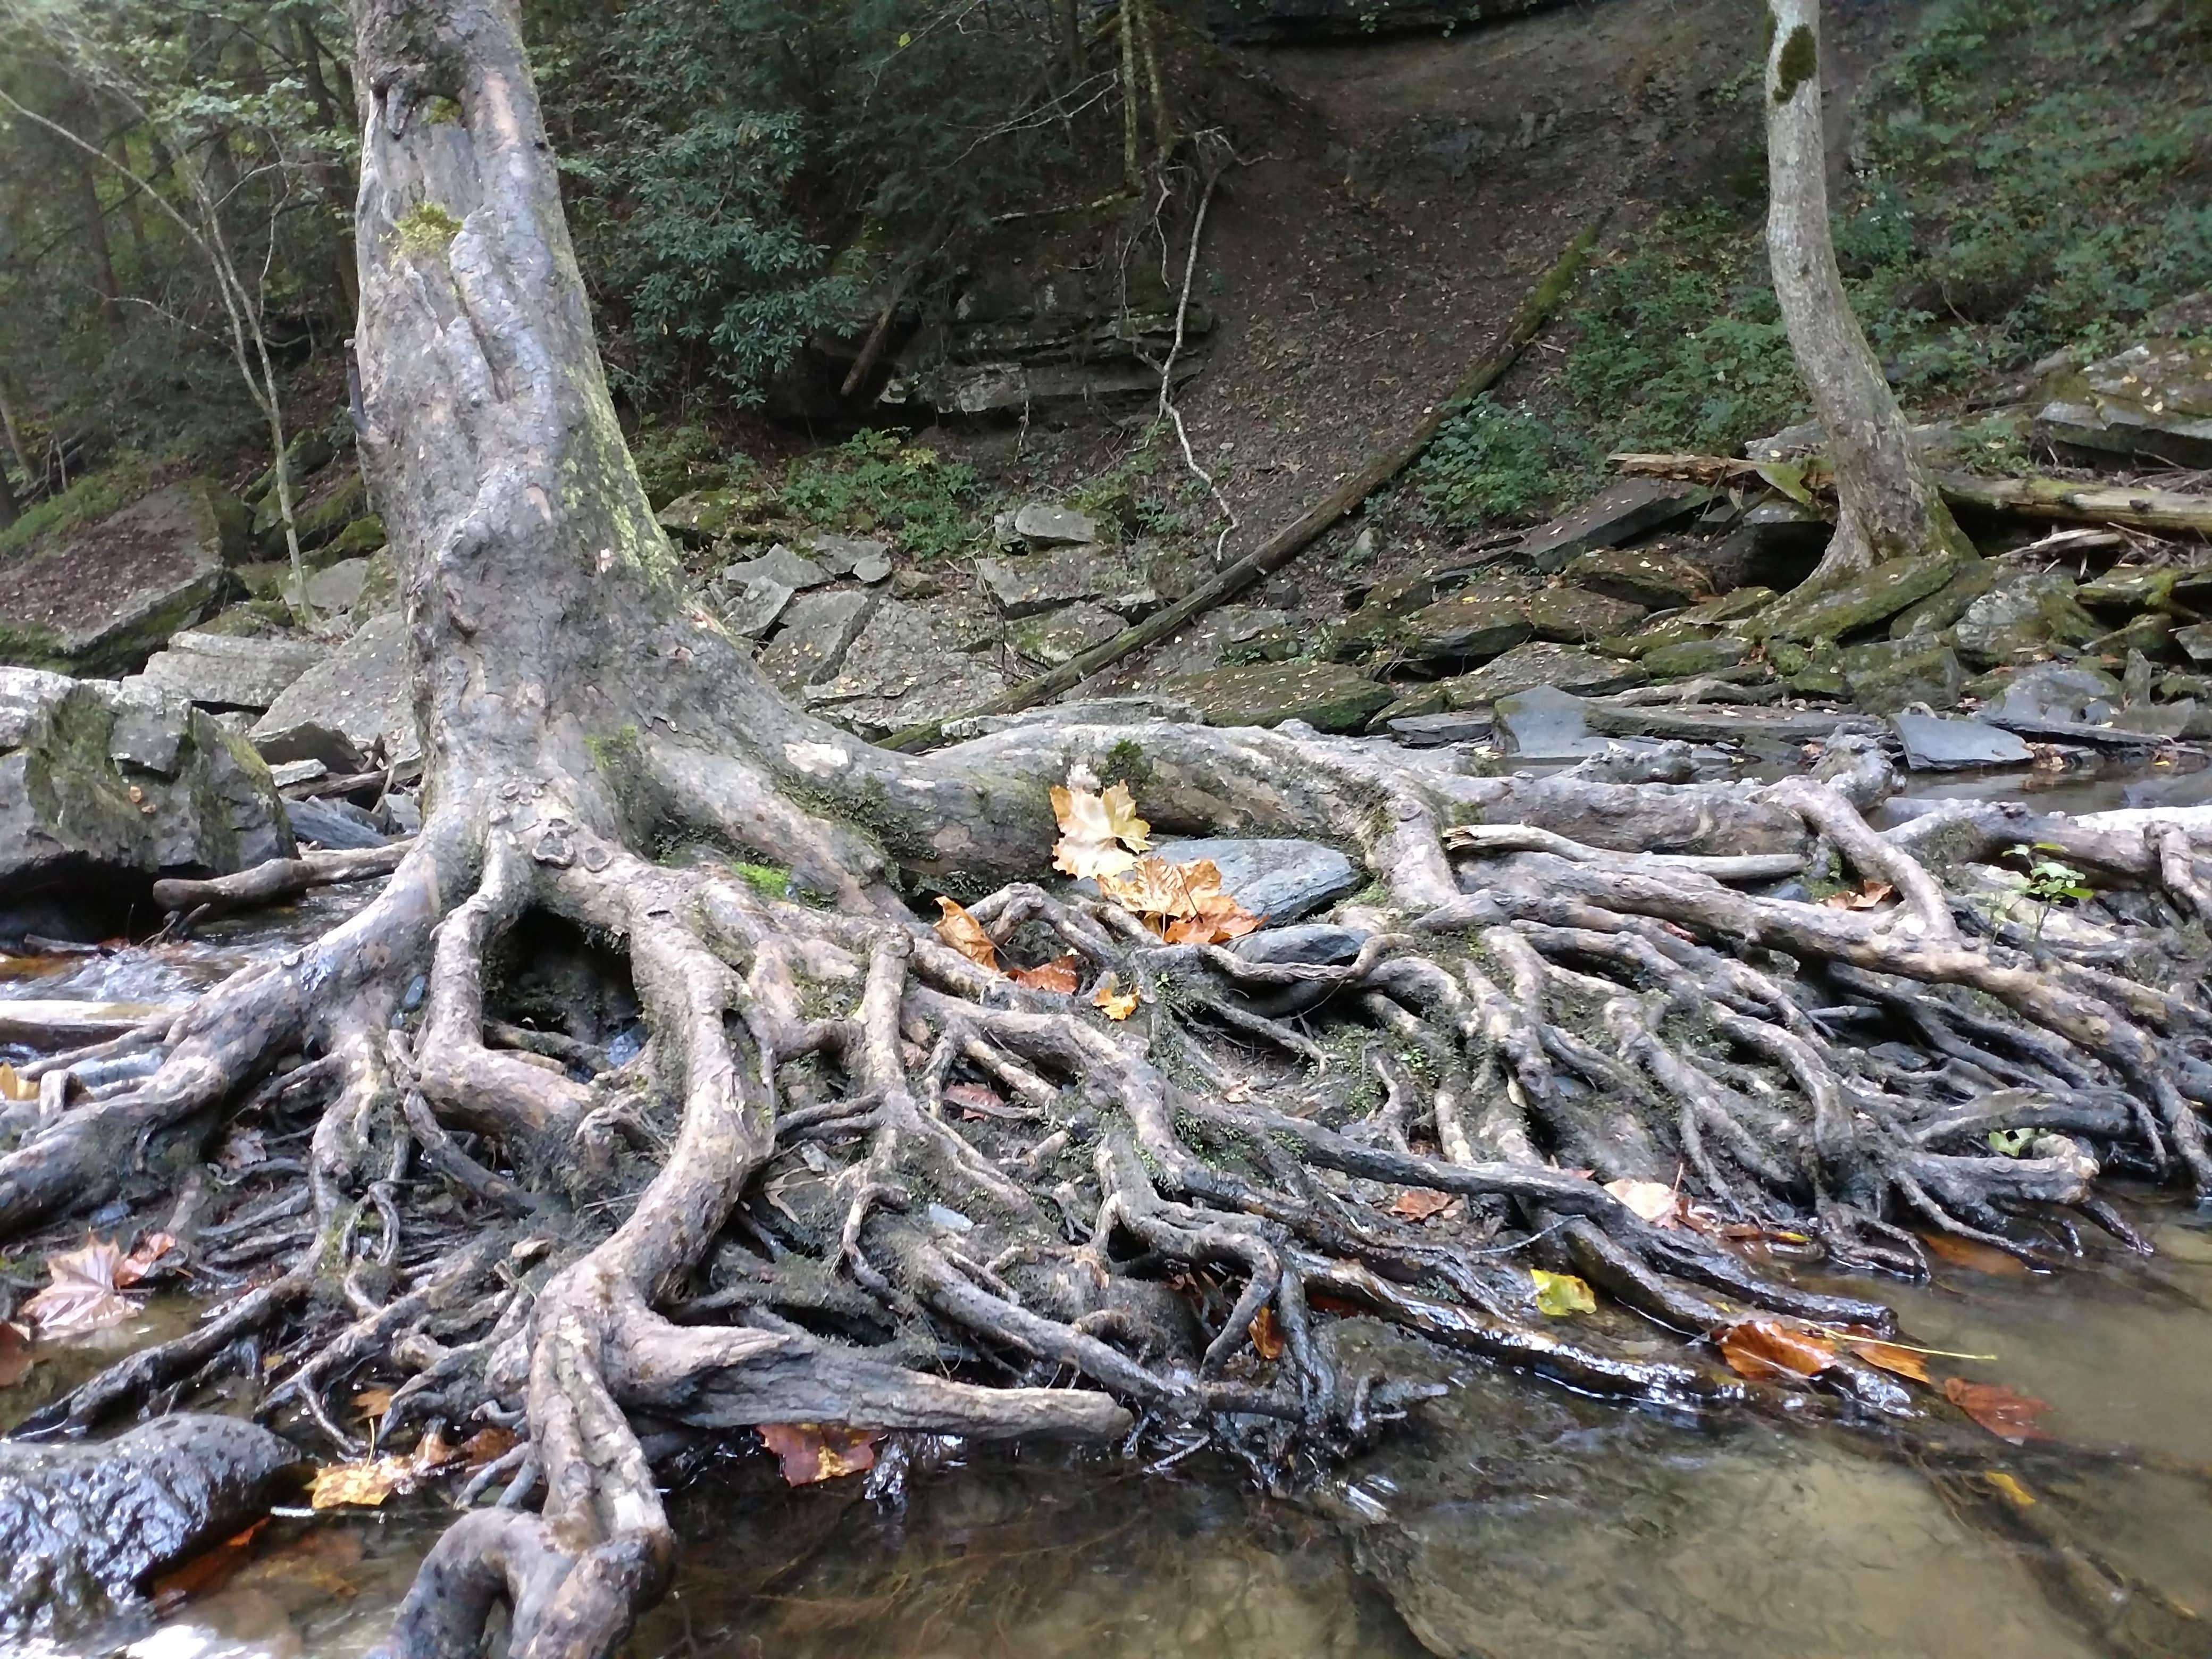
(579, 715)
(1889, 507)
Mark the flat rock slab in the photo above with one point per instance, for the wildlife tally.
(757, 609)
(1025, 585)
(1932, 744)
(816, 632)
(1544, 723)
(1436, 730)
(908, 662)
(1305, 945)
(2150, 405)
(102, 600)
(310, 742)
(841, 554)
(1624, 510)
(706, 515)
(1720, 722)
(1061, 636)
(1526, 666)
(104, 780)
(1042, 525)
(779, 564)
(1325, 695)
(362, 689)
(1469, 628)
(1874, 596)
(1649, 577)
(222, 670)
(1576, 616)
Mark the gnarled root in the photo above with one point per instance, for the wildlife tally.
(854, 1177)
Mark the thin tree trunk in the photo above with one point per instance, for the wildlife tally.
(1888, 506)
(93, 216)
(15, 436)
(336, 187)
(9, 511)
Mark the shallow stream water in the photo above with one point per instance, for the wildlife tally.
(1508, 1519)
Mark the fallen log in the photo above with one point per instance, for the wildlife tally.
(2065, 500)
(51, 1023)
(280, 878)
(1286, 543)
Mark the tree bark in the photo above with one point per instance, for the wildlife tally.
(1888, 505)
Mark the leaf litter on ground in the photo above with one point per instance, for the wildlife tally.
(810, 1452)
(1100, 833)
(367, 1482)
(85, 1286)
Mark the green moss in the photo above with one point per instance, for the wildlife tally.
(426, 228)
(441, 112)
(92, 497)
(1799, 63)
(764, 879)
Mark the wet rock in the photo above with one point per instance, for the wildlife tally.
(1057, 637)
(1024, 585)
(2026, 616)
(1655, 579)
(1325, 695)
(124, 781)
(1469, 628)
(1544, 723)
(1888, 675)
(87, 1524)
(1310, 945)
(1694, 657)
(705, 516)
(2150, 405)
(1524, 667)
(336, 498)
(842, 555)
(221, 670)
(1949, 603)
(779, 565)
(1281, 880)
(336, 824)
(818, 630)
(104, 598)
(2056, 691)
(1843, 609)
(1932, 744)
(310, 742)
(1576, 616)
(1625, 509)
(1042, 525)
(362, 689)
(1776, 544)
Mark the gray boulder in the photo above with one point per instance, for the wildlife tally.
(1061, 635)
(1322, 695)
(1042, 525)
(98, 779)
(228, 670)
(103, 598)
(780, 565)
(1306, 944)
(908, 663)
(1625, 509)
(1027, 584)
(362, 689)
(818, 630)
(1281, 880)
(2150, 405)
(1934, 744)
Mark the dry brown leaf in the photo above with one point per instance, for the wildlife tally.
(965, 934)
(1888, 1357)
(1975, 1256)
(974, 1100)
(1655, 1200)
(243, 1149)
(14, 1087)
(2007, 1415)
(1183, 903)
(1861, 898)
(372, 1403)
(84, 1291)
(819, 1451)
(1058, 975)
(488, 1446)
(1768, 1350)
(1099, 833)
(1418, 1204)
(16, 1361)
(143, 1259)
(364, 1484)
(1118, 1003)
(1267, 1337)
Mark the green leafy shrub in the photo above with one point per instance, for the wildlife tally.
(877, 480)
(1491, 462)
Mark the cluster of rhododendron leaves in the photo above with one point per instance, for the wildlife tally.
(1101, 838)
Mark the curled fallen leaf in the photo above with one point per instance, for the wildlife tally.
(14, 1086)
(965, 934)
(83, 1292)
(2013, 1493)
(488, 1445)
(372, 1403)
(974, 1100)
(1267, 1335)
(1058, 975)
(1419, 1203)
(1118, 1003)
(1100, 833)
(819, 1451)
(1655, 1200)
(2007, 1415)
(1770, 1349)
(1860, 898)
(1560, 1295)
(1183, 903)
(363, 1484)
